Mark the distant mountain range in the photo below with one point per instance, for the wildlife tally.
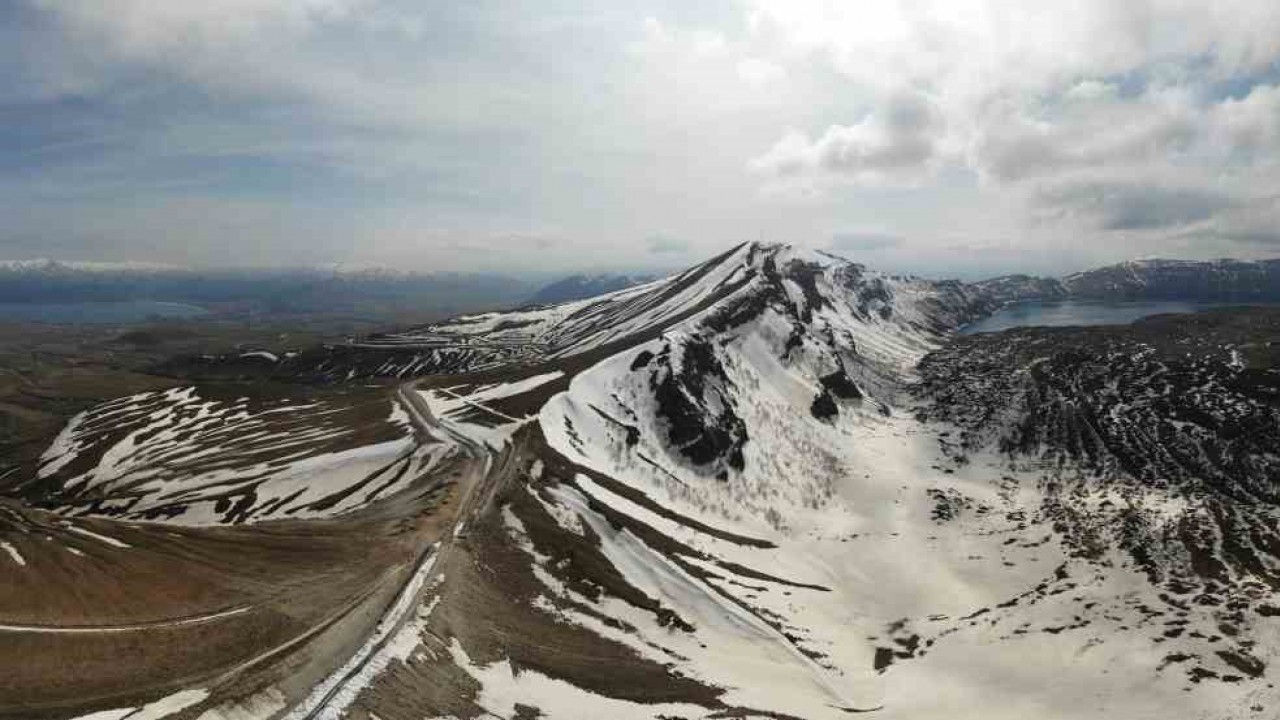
(374, 292)
(367, 290)
(578, 287)
(1209, 281)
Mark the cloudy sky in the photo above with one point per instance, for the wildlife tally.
(965, 137)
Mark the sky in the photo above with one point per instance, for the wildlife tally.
(941, 137)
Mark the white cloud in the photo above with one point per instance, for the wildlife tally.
(863, 241)
(757, 72)
(976, 47)
(898, 141)
(1250, 125)
(1098, 118)
(1026, 86)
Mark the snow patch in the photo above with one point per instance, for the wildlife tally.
(13, 552)
(502, 688)
(156, 710)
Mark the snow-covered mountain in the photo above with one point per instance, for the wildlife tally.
(751, 494)
(537, 334)
(775, 486)
(737, 494)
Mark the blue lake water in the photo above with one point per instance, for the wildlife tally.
(1072, 312)
(96, 313)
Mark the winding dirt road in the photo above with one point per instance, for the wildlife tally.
(477, 484)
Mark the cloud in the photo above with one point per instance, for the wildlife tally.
(362, 63)
(758, 73)
(897, 141)
(1249, 127)
(1014, 144)
(1101, 131)
(1157, 207)
(666, 245)
(1135, 205)
(988, 47)
(1110, 114)
(438, 133)
(863, 241)
(141, 29)
(1253, 223)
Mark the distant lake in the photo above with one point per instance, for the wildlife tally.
(96, 313)
(1079, 312)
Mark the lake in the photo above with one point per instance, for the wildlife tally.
(96, 313)
(1079, 312)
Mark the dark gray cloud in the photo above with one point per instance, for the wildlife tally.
(1154, 207)
(1270, 240)
(1252, 223)
(1085, 129)
(1136, 205)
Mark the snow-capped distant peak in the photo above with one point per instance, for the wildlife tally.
(50, 265)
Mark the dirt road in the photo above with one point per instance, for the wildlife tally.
(329, 699)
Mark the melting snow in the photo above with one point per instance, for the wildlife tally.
(96, 536)
(503, 688)
(13, 552)
(157, 710)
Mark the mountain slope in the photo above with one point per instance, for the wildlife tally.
(775, 486)
(735, 501)
(209, 455)
(750, 500)
(487, 341)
